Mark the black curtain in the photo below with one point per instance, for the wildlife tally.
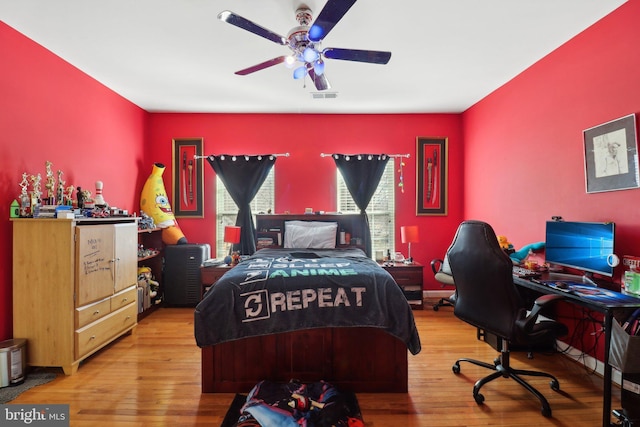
(362, 173)
(243, 176)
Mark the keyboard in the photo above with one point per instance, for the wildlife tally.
(524, 272)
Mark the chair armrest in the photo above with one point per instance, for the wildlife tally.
(436, 264)
(539, 304)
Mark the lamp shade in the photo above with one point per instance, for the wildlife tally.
(409, 234)
(232, 234)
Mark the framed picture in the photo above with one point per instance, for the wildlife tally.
(611, 155)
(431, 162)
(187, 178)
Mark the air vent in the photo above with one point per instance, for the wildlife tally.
(324, 95)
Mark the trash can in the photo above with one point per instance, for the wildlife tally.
(13, 360)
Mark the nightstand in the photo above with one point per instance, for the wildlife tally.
(409, 278)
(210, 275)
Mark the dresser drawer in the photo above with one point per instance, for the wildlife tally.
(102, 331)
(92, 312)
(124, 297)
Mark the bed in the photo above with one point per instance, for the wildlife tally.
(306, 314)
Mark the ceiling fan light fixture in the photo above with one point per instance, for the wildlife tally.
(318, 67)
(300, 72)
(310, 54)
(316, 33)
(289, 61)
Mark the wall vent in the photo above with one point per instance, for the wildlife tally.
(324, 95)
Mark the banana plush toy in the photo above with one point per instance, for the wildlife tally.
(155, 203)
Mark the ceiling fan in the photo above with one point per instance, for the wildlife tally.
(305, 40)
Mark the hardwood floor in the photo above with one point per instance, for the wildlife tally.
(152, 378)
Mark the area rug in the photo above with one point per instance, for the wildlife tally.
(233, 414)
(34, 379)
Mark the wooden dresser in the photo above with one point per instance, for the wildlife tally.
(74, 286)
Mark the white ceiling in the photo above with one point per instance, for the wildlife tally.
(175, 55)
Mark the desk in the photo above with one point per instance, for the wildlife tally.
(604, 306)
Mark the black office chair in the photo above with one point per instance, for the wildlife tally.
(488, 299)
(442, 274)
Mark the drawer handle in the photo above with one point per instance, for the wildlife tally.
(128, 317)
(96, 312)
(125, 299)
(93, 337)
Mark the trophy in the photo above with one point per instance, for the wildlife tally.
(69, 195)
(60, 191)
(24, 197)
(51, 183)
(35, 193)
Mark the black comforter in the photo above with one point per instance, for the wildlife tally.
(282, 290)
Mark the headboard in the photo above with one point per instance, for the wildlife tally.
(271, 230)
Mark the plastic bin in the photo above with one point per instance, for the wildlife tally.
(623, 354)
(13, 360)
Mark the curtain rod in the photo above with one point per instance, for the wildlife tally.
(242, 155)
(388, 155)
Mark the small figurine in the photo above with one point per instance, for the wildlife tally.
(99, 200)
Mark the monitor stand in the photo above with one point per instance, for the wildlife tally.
(586, 278)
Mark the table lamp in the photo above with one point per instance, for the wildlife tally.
(232, 236)
(409, 234)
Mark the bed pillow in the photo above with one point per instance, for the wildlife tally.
(310, 234)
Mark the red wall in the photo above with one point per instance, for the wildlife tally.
(304, 179)
(524, 151)
(50, 111)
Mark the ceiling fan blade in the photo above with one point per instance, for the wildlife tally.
(320, 81)
(332, 12)
(237, 20)
(370, 56)
(261, 66)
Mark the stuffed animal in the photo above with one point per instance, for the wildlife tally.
(145, 276)
(519, 255)
(155, 203)
(504, 243)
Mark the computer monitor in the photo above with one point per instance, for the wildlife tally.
(584, 246)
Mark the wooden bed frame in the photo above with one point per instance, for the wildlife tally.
(357, 359)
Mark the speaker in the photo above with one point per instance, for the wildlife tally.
(182, 273)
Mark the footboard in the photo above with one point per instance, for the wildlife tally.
(357, 359)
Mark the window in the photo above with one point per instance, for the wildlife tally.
(381, 210)
(227, 211)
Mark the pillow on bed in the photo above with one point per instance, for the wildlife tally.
(310, 234)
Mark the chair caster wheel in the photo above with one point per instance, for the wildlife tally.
(456, 368)
(435, 308)
(555, 385)
(479, 398)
